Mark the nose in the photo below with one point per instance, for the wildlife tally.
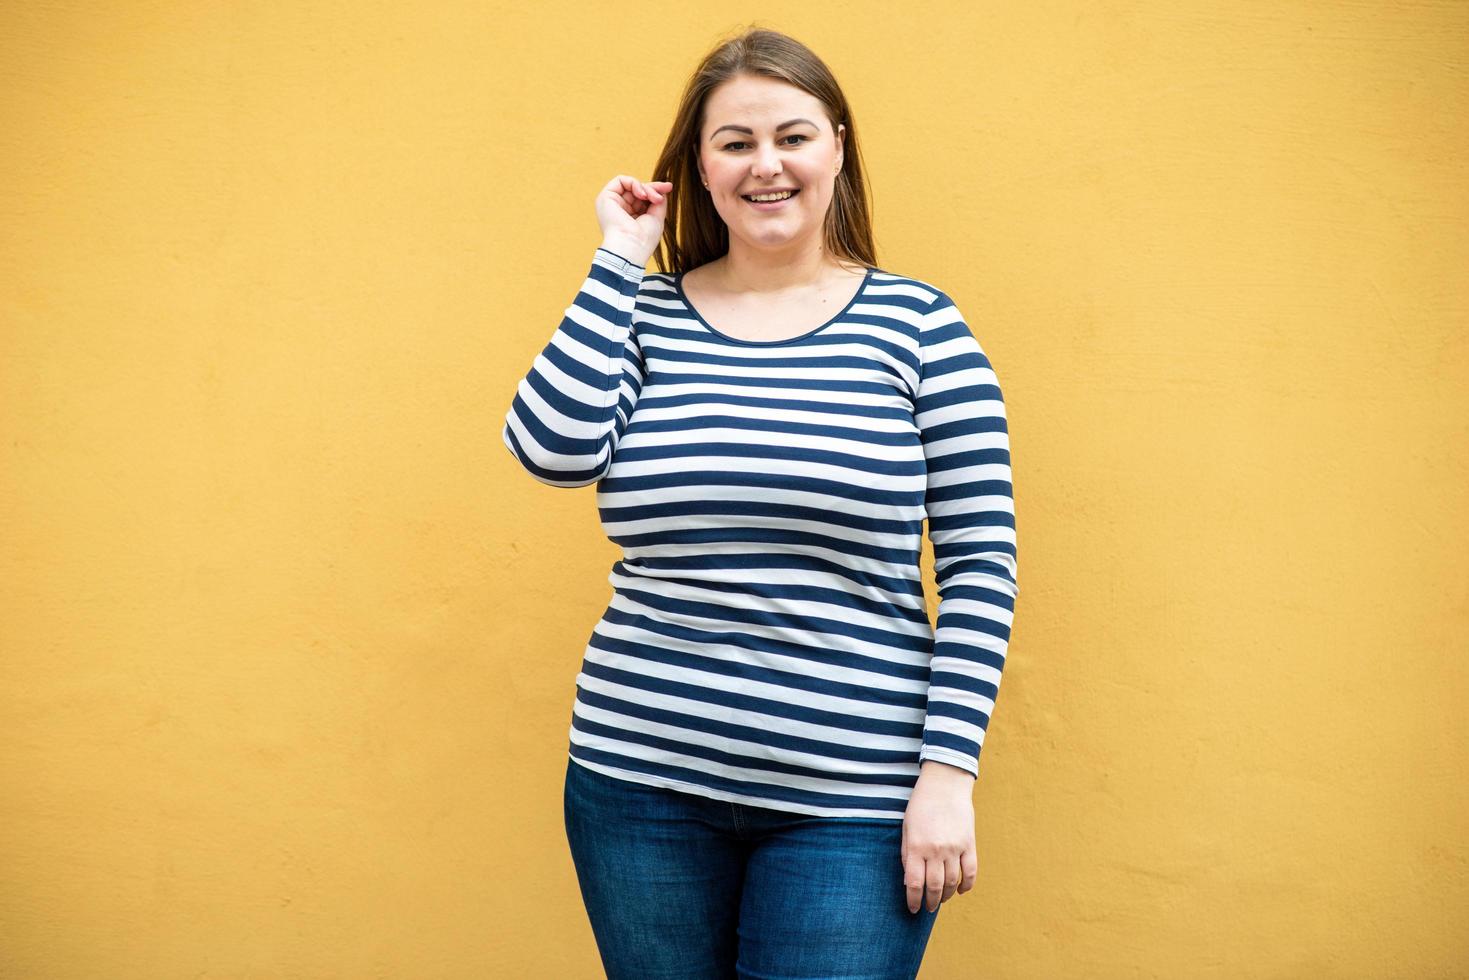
(767, 163)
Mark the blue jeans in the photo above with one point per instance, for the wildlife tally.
(683, 887)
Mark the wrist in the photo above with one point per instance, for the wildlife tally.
(934, 769)
(627, 249)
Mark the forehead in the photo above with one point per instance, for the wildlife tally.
(757, 100)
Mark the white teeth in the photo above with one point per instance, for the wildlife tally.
(769, 197)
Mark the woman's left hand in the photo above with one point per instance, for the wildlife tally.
(938, 852)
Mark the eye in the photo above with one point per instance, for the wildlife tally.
(793, 136)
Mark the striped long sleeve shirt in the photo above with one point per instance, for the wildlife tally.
(767, 640)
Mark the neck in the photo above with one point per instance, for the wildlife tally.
(750, 269)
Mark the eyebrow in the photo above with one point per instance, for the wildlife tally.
(747, 129)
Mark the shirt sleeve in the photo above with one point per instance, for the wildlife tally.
(971, 522)
(570, 410)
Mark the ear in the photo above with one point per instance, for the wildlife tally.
(841, 144)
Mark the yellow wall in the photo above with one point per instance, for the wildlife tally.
(288, 642)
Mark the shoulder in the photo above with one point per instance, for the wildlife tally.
(941, 325)
(916, 296)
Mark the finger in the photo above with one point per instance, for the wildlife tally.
(969, 866)
(652, 193)
(622, 185)
(618, 188)
(935, 884)
(951, 878)
(627, 187)
(913, 880)
(637, 198)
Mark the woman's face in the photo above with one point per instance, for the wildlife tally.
(762, 134)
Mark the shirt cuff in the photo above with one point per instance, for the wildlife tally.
(622, 262)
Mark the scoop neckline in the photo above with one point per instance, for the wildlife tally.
(684, 298)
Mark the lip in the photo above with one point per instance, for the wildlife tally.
(773, 205)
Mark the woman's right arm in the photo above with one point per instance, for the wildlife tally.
(570, 410)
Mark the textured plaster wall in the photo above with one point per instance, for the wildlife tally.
(287, 642)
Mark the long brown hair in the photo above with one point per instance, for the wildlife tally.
(693, 231)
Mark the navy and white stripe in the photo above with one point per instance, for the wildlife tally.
(767, 640)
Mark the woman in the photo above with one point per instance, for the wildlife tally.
(772, 752)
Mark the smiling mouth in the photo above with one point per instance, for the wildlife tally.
(788, 197)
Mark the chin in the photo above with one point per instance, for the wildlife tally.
(773, 242)
(785, 231)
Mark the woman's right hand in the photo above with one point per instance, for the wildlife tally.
(631, 214)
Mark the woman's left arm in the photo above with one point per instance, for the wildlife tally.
(960, 413)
